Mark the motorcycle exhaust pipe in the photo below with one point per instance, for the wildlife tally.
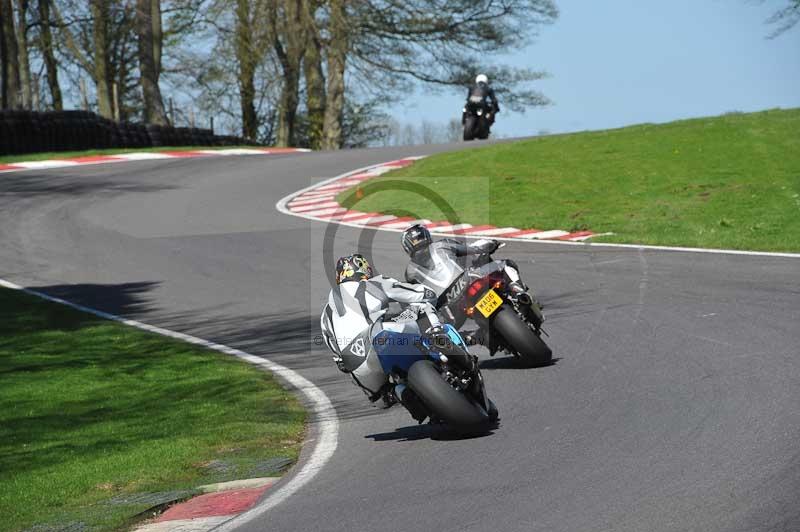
(524, 299)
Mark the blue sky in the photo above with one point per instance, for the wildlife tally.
(621, 62)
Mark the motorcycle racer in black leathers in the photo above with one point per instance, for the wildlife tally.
(483, 95)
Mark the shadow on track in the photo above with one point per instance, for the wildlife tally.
(431, 432)
(511, 362)
(27, 184)
(126, 299)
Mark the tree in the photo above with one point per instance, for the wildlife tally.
(445, 43)
(26, 93)
(102, 69)
(314, 74)
(149, 33)
(391, 44)
(785, 18)
(10, 57)
(48, 53)
(100, 40)
(363, 124)
(289, 41)
(247, 42)
(338, 45)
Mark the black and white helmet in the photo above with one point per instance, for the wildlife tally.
(415, 238)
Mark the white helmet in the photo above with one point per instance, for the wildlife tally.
(481, 78)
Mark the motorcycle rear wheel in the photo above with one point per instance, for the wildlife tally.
(530, 348)
(445, 402)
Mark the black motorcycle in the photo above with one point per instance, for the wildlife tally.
(477, 121)
(509, 319)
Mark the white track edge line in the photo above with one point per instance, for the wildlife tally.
(281, 207)
(327, 422)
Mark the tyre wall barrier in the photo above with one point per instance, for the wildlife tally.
(52, 131)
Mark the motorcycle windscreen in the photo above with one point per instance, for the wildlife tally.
(397, 350)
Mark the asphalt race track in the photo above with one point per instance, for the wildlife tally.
(674, 403)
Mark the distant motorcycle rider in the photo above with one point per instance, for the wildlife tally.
(359, 307)
(482, 94)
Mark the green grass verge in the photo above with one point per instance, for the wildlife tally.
(8, 159)
(91, 410)
(731, 181)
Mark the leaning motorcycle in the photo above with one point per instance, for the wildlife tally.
(509, 320)
(476, 120)
(441, 375)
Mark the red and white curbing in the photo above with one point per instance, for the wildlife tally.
(318, 202)
(141, 156)
(205, 512)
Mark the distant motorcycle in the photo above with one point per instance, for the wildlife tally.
(476, 119)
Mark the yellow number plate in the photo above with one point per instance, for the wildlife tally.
(489, 303)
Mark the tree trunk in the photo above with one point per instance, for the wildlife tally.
(247, 68)
(337, 57)
(101, 74)
(315, 87)
(24, 61)
(11, 81)
(153, 103)
(290, 50)
(3, 61)
(48, 55)
(158, 35)
(287, 110)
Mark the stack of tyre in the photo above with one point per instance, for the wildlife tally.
(52, 131)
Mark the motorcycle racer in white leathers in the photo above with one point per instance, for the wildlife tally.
(438, 264)
(359, 307)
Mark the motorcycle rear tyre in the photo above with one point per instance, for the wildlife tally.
(529, 346)
(445, 402)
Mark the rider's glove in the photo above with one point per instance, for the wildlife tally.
(486, 245)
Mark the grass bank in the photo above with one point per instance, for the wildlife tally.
(94, 414)
(730, 181)
(9, 159)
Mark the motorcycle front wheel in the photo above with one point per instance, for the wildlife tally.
(530, 348)
(445, 402)
(483, 134)
(469, 128)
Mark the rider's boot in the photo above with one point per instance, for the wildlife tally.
(413, 404)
